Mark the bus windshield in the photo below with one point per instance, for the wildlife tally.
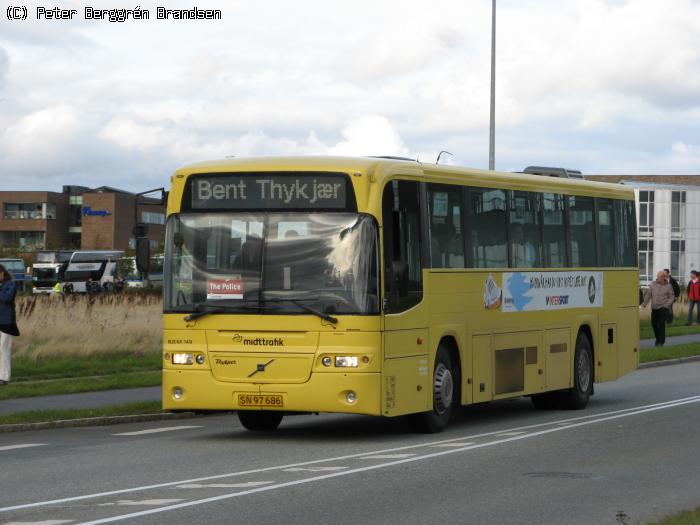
(264, 262)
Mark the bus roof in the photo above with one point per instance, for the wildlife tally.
(379, 169)
(96, 255)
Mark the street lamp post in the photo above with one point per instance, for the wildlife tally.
(492, 126)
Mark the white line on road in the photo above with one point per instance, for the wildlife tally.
(138, 502)
(246, 485)
(23, 445)
(313, 469)
(388, 456)
(156, 430)
(614, 413)
(508, 434)
(45, 522)
(640, 410)
(451, 445)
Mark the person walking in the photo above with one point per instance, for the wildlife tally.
(693, 290)
(8, 323)
(660, 295)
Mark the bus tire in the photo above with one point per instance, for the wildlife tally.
(260, 420)
(576, 398)
(444, 390)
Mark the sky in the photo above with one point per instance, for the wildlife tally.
(603, 86)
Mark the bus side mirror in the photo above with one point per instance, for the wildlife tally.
(143, 254)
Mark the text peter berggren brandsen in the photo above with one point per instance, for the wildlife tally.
(123, 15)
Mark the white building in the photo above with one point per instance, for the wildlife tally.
(668, 223)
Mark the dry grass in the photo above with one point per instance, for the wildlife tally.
(80, 325)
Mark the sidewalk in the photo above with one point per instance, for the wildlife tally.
(84, 400)
(672, 341)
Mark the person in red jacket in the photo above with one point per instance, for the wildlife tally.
(693, 296)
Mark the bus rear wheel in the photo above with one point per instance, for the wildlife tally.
(444, 390)
(576, 398)
(260, 420)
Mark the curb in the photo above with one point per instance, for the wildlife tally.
(667, 362)
(95, 421)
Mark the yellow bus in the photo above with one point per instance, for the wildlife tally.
(388, 287)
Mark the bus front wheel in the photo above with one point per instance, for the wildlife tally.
(577, 397)
(443, 397)
(260, 420)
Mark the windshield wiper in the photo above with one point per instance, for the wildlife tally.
(211, 309)
(298, 302)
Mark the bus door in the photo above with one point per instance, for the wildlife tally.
(407, 367)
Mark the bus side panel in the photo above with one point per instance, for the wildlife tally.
(406, 386)
(628, 339)
(482, 385)
(606, 360)
(558, 358)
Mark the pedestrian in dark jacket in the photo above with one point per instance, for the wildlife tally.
(660, 295)
(693, 296)
(674, 284)
(8, 323)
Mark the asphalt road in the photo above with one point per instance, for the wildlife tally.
(631, 457)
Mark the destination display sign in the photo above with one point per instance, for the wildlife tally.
(269, 191)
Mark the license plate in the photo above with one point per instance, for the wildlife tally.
(253, 400)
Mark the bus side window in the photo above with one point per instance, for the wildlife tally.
(403, 281)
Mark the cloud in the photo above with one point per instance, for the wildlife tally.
(592, 84)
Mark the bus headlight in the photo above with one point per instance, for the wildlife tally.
(346, 361)
(327, 361)
(199, 359)
(183, 359)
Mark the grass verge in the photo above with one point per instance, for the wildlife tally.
(51, 367)
(688, 517)
(41, 416)
(79, 384)
(669, 352)
(676, 328)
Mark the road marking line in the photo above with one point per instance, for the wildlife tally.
(156, 430)
(506, 434)
(45, 522)
(23, 445)
(131, 502)
(313, 469)
(451, 445)
(388, 456)
(621, 413)
(222, 497)
(224, 485)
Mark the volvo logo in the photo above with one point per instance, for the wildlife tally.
(260, 368)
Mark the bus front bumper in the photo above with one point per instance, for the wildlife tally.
(323, 392)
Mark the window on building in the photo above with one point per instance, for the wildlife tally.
(553, 230)
(32, 210)
(646, 213)
(524, 230)
(582, 231)
(75, 200)
(150, 217)
(445, 226)
(677, 213)
(606, 232)
(488, 241)
(23, 240)
(403, 281)
(646, 260)
(677, 258)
